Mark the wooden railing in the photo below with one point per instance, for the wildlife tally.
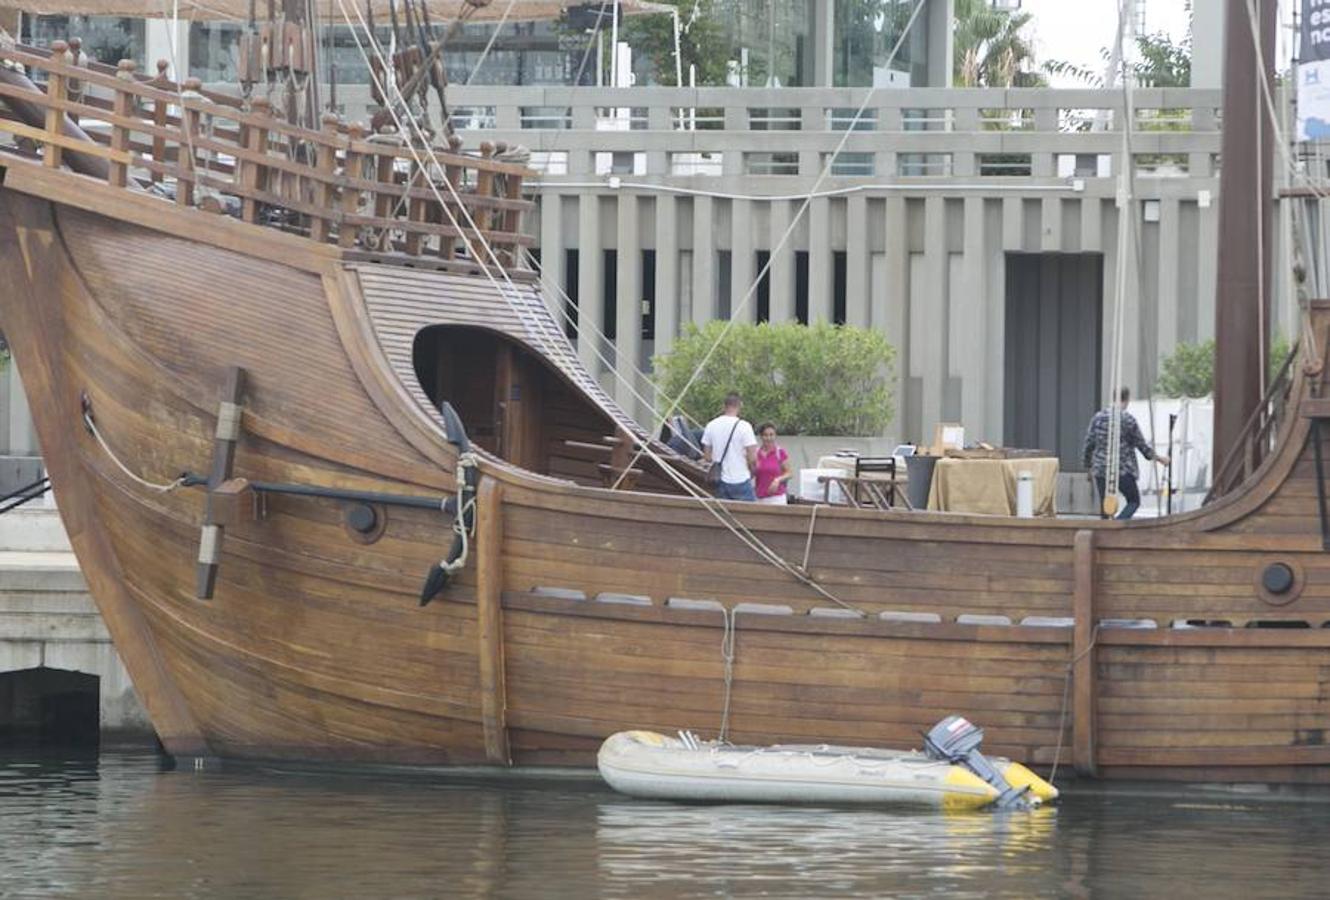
(339, 185)
(1258, 434)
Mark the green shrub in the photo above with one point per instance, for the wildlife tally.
(1189, 371)
(819, 379)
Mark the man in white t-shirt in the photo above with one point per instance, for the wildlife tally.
(730, 440)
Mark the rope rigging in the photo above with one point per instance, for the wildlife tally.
(422, 144)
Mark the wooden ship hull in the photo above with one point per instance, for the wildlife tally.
(581, 610)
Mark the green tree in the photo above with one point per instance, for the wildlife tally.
(992, 49)
(819, 379)
(1189, 371)
(702, 41)
(1161, 63)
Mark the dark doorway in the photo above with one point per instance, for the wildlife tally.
(1053, 340)
(763, 286)
(49, 707)
(512, 401)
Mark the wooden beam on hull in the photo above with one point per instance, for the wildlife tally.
(223, 458)
(489, 620)
(1083, 661)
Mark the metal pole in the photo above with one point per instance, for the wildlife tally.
(1243, 288)
(1168, 470)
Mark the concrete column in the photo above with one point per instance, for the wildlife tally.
(628, 312)
(995, 321)
(590, 281)
(1207, 271)
(824, 43)
(743, 262)
(667, 272)
(782, 263)
(819, 260)
(1092, 225)
(1013, 224)
(858, 294)
(704, 261)
(1132, 371)
(22, 434)
(552, 254)
(941, 44)
(930, 316)
(891, 307)
(1169, 248)
(1207, 58)
(970, 321)
(1110, 251)
(1050, 225)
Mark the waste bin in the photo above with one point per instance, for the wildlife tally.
(920, 472)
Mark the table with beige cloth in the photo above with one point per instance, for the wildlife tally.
(989, 485)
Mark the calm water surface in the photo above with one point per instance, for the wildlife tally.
(118, 825)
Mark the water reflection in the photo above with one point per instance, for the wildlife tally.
(120, 826)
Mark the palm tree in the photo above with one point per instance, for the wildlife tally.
(991, 50)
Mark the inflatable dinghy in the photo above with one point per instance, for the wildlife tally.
(950, 774)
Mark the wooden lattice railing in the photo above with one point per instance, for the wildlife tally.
(365, 193)
(1258, 434)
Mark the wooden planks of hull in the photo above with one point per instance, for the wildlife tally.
(314, 646)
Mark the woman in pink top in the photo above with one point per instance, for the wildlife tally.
(773, 469)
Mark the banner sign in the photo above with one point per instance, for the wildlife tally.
(1314, 72)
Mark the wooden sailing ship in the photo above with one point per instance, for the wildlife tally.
(287, 323)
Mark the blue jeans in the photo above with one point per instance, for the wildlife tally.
(1127, 486)
(741, 491)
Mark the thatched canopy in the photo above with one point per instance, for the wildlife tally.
(238, 10)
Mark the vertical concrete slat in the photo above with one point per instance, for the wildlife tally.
(552, 254)
(1169, 247)
(628, 296)
(1050, 229)
(995, 320)
(22, 432)
(590, 280)
(819, 260)
(1132, 370)
(743, 262)
(704, 261)
(857, 291)
(1207, 271)
(667, 273)
(891, 312)
(782, 263)
(970, 321)
(933, 299)
(1092, 223)
(1013, 224)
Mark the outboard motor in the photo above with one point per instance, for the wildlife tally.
(956, 740)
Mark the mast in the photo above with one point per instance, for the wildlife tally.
(1242, 301)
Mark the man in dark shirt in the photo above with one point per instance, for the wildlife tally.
(1130, 440)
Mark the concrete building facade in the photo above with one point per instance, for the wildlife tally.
(975, 228)
(663, 210)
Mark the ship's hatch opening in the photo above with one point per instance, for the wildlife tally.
(49, 707)
(513, 402)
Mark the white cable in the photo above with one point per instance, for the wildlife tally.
(834, 192)
(735, 313)
(159, 487)
(1113, 465)
(713, 505)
